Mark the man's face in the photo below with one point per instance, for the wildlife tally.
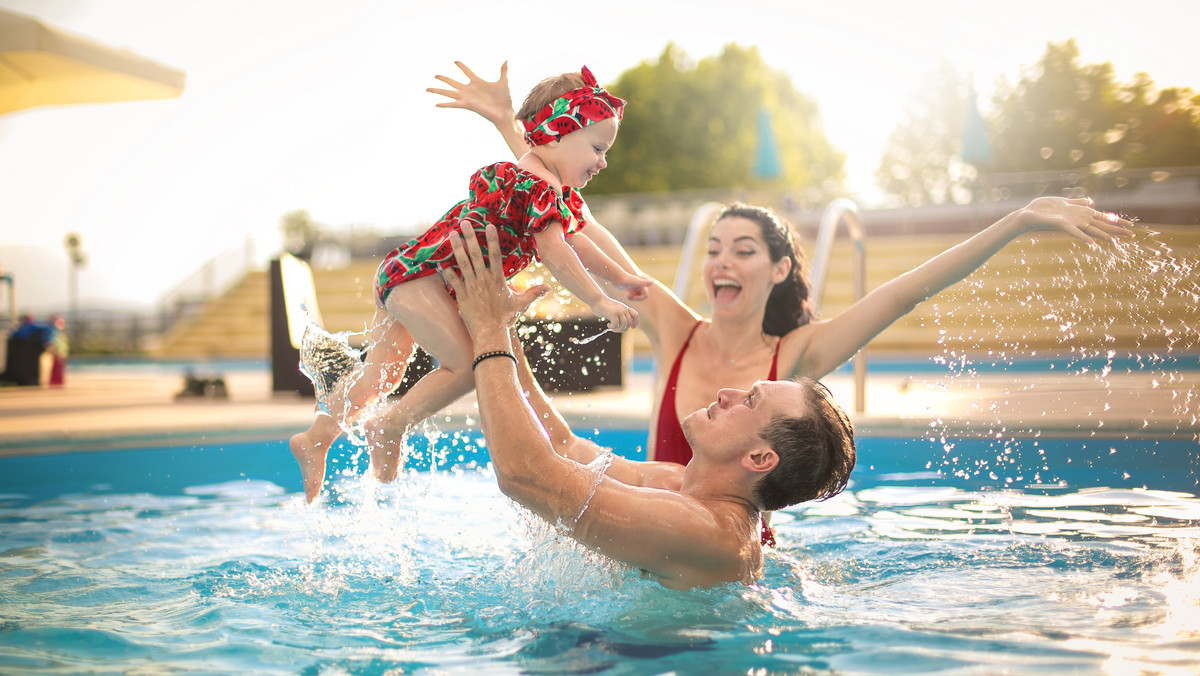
(732, 423)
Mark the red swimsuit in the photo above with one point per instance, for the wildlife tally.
(516, 201)
(670, 444)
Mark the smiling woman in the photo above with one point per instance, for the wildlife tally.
(762, 324)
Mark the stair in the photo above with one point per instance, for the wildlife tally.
(1042, 293)
(235, 325)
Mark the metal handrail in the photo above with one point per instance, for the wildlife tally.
(212, 278)
(842, 210)
(6, 278)
(695, 233)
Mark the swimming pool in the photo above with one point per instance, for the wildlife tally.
(206, 559)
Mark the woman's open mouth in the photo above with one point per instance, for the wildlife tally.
(725, 290)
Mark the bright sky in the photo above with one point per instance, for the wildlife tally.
(318, 105)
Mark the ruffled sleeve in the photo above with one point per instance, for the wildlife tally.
(578, 209)
(544, 206)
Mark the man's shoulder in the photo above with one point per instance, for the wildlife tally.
(727, 549)
(682, 540)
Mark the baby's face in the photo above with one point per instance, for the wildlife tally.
(580, 155)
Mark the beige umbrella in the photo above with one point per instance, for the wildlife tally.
(43, 66)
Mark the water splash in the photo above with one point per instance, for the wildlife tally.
(438, 574)
(596, 468)
(1118, 322)
(328, 360)
(585, 341)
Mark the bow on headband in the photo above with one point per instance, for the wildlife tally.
(573, 111)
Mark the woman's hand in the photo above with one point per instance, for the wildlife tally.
(1076, 217)
(491, 100)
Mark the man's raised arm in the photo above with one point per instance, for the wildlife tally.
(520, 449)
(663, 532)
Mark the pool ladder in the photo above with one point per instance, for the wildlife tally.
(838, 211)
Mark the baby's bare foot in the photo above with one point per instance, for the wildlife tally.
(311, 457)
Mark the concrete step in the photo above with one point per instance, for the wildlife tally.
(1024, 296)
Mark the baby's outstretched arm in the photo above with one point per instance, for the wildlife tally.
(597, 262)
(562, 262)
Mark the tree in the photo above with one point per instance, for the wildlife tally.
(299, 232)
(1155, 129)
(691, 126)
(923, 162)
(1061, 115)
(1064, 114)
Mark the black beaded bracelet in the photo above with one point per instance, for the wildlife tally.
(489, 355)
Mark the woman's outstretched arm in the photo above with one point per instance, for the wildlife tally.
(826, 345)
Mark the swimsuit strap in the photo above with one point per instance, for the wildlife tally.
(773, 375)
(673, 379)
(767, 536)
(670, 445)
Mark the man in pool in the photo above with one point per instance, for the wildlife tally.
(777, 444)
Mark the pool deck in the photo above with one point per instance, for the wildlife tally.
(121, 407)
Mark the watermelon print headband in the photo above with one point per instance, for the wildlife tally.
(573, 111)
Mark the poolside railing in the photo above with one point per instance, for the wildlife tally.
(842, 210)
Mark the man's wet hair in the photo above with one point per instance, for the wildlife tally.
(816, 452)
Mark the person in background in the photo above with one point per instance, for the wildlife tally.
(29, 357)
(59, 348)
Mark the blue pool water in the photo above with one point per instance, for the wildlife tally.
(1054, 557)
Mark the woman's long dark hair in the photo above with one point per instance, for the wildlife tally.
(788, 306)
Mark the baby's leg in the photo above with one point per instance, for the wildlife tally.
(431, 316)
(389, 346)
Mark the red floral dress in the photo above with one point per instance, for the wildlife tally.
(517, 202)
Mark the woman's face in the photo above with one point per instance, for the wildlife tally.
(738, 272)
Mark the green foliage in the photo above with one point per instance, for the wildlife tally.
(690, 126)
(1057, 116)
(1061, 115)
(1065, 114)
(922, 162)
(299, 232)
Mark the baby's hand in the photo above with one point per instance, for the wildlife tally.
(620, 316)
(636, 288)
(489, 99)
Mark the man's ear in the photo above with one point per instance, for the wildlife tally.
(761, 460)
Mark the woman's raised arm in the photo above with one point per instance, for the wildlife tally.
(828, 344)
